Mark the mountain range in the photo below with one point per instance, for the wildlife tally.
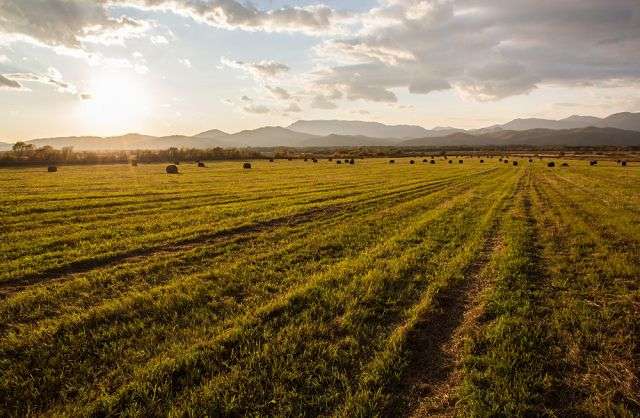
(620, 129)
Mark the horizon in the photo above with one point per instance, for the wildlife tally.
(103, 68)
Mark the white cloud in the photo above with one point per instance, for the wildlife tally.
(4, 59)
(293, 107)
(321, 102)
(259, 70)
(279, 92)
(7, 83)
(486, 50)
(53, 78)
(257, 109)
(159, 40)
(185, 62)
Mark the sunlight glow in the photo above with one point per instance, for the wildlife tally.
(117, 102)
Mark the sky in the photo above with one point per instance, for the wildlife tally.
(160, 67)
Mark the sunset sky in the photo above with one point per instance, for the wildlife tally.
(77, 67)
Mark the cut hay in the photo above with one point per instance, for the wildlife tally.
(392, 161)
(450, 161)
(460, 161)
(564, 164)
(530, 160)
(481, 161)
(172, 169)
(515, 163)
(52, 169)
(315, 160)
(246, 166)
(411, 162)
(432, 162)
(271, 160)
(551, 164)
(338, 162)
(201, 164)
(593, 162)
(352, 161)
(623, 163)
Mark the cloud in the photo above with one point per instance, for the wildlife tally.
(53, 78)
(265, 69)
(185, 62)
(233, 14)
(321, 102)
(293, 107)
(85, 96)
(485, 50)
(257, 109)
(279, 92)
(7, 83)
(158, 40)
(4, 59)
(66, 23)
(246, 98)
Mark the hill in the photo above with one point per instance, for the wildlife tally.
(123, 142)
(590, 136)
(358, 128)
(347, 141)
(269, 136)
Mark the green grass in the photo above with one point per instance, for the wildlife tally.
(301, 289)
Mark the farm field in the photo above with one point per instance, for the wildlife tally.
(296, 288)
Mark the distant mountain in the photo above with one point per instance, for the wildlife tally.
(347, 141)
(269, 136)
(123, 142)
(590, 136)
(358, 128)
(212, 134)
(626, 120)
(5, 147)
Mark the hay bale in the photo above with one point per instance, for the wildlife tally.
(565, 164)
(289, 159)
(460, 161)
(172, 169)
(411, 162)
(201, 164)
(515, 163)
(424, 161)
(338, 162)
(246, 166)
(315, 160)
(432, 162)
(330, 159)
(134, 163)
(52, 169)
(271, 160)
(481, 161)
(352, 161)
(305, 160)
(530, 160)
(506, 161)
(551, 164)
(500, 160)
(623, 163)
(392, 161)
(450, 161)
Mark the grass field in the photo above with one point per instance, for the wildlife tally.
(309, 289)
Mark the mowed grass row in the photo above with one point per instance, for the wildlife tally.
(49, 251)
(134, 318)
(559, 336)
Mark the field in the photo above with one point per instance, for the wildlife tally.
(309, 289)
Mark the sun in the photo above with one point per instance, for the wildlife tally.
(114, 102)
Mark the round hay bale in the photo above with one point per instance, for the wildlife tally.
(52, 169)
(551, 164)
(515, 163)
(424, 161)
(411, 162)
(565, 164)
(506, 161)
(172, 169)
(352, 161)
(500, 160)
(450, 161)
(271, 160)
(392, 161)
(134, 163)
(623, 163)
(338, 162)
(201, 164)
(432, 161)
(246, 166)
(305, 160)
(315, 160)
(481, 161)
(530, 160)
(460, 161)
